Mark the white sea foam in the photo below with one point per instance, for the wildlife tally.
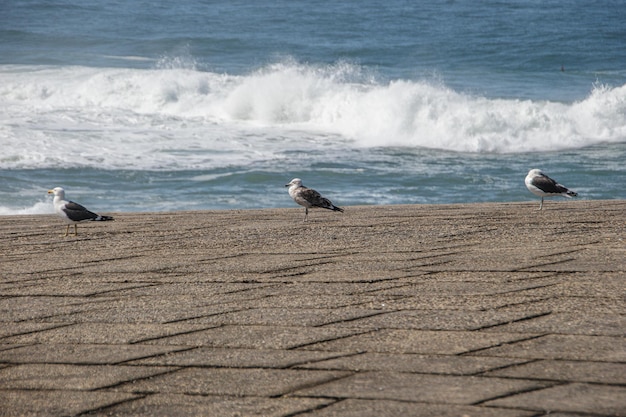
(40, 207)
(176, 117)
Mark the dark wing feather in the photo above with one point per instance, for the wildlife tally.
(326, 203)
(329, 205)
(548, 185)
(78, 213)
(313, 197)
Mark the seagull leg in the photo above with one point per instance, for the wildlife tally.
(306, 213)
(541, 204)
(75, 229)
(67, 231)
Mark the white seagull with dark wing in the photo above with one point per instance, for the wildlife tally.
(541, 185)
(309, 198)
(71, 212)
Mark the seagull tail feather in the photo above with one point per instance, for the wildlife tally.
(101, 218)
(571, 193)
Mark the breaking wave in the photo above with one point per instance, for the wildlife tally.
(177, 117)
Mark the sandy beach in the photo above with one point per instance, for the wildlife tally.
(493, 309)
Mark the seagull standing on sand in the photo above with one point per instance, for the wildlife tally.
(309, 198)
(541, 185)
(71, 212)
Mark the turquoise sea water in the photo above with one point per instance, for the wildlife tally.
(137, 106)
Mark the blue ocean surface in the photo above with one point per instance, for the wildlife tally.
(217, 104)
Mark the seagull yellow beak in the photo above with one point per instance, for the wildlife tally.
(50, 192)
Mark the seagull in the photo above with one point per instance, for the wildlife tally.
(72, 212)
(541, 185)
(309, 198)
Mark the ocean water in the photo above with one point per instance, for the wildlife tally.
(216, 104)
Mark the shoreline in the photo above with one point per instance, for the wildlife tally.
(476, 309)
(549, 201)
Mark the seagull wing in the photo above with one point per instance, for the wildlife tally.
(548, 185)
(314, 198)
(75, 212)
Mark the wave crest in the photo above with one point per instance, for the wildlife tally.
(424, 113)
(176, 117)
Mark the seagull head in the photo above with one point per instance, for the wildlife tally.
(58, 192)
(535, 172)
(296, 181)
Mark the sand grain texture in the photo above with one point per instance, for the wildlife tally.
(447, 310)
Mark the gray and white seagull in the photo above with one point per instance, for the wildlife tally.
(541, 185)
(309, 198)
(71, 212)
